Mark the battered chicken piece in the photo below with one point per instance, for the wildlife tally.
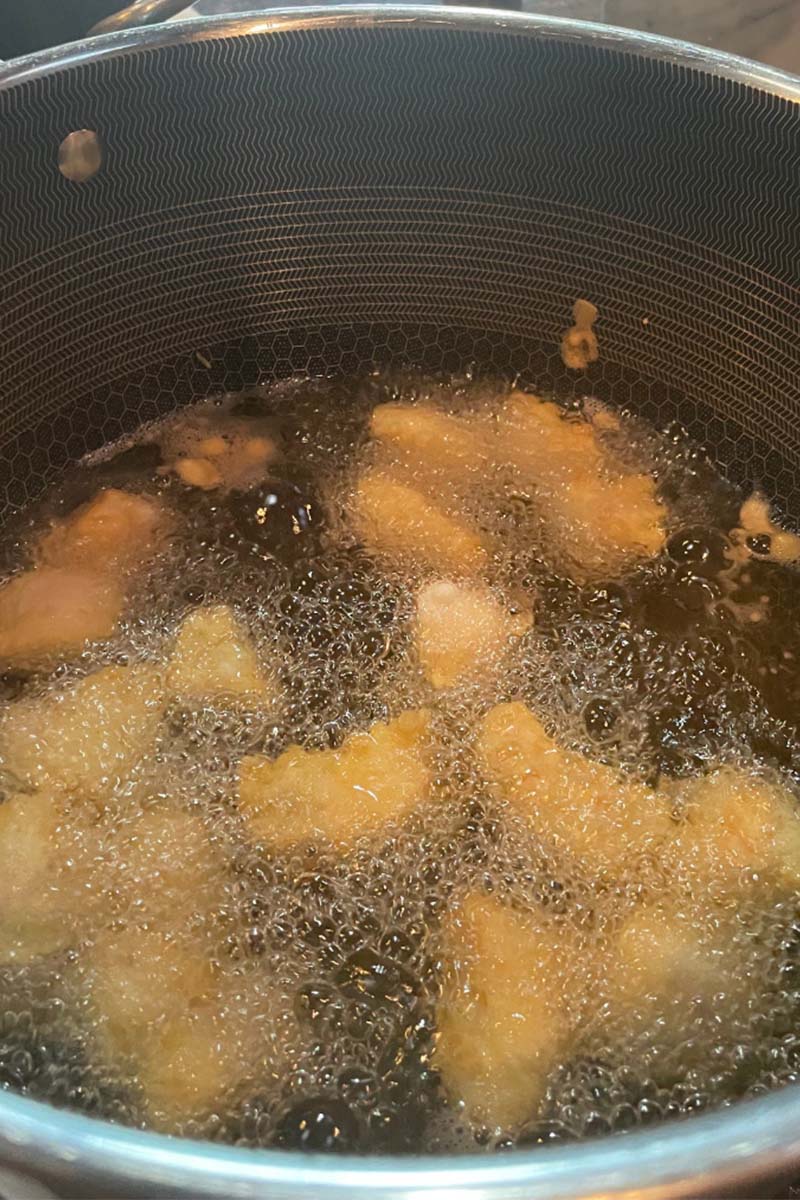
(740, 833)
(214, 656)
(337, 796)
(87, 737)
(47, 847)
(75, 593)
(195, 1064)
(599, 519)
(662, 956)
(140, 977)
(670, 965)
(462, 631)
(400, 523)
(164, 1010)
(113, 533)
(162, 867)
(180, 1025)
(446, 445)
(56, 610)
(595, 815)
(508, 1009)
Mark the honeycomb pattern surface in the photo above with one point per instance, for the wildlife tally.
(328, 199)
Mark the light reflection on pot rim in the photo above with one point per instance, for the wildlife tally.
(702, 1155)
(366, 15)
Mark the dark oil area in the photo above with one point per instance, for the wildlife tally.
(661, 671)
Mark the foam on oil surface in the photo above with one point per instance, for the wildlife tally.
(331, 963)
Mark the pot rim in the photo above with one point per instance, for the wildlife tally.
(370, 15)
(704, 1155)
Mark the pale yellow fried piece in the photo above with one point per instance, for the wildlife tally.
(740, 833)
(399, 523)
(607, 524)
(664, 956)
(56, 610)
(538, 439)
(140, 977)
(594, 814)
(507, 1012)
(28, 827)
(599, 519)
(76, 593)
(337, 796)
(214, 656)
(190, 1032)
(47, 849)
(164, 1011)
(430, 439)
(88, 737)
(162, 865)
(196, 1063)
(462, 631)
(113, 533)
(673, 970)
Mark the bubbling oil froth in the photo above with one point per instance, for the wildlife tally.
(331, 961)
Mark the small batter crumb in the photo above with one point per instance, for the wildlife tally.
(213, 449)
(755, 522)
(579, 344)
(199, 473)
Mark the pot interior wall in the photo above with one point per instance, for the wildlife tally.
(328, 199)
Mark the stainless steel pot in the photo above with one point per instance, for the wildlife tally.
(333, 189)
(754, 27)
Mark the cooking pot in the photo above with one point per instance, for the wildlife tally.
(191, 208)
(754, 27)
